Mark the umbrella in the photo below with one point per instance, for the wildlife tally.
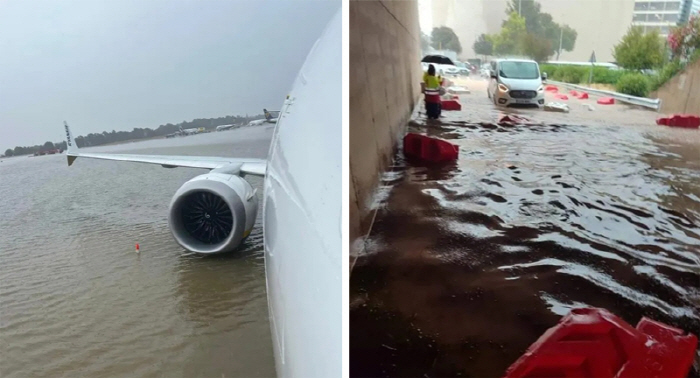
(437, 59)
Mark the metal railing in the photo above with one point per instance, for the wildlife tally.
(651, 103)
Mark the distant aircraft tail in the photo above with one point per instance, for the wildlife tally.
(71, 146)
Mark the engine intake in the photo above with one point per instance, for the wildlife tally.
(213, 213)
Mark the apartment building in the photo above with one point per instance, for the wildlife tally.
(663, 15)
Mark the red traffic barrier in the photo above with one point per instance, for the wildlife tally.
(582, 96)
(451, 105)
(573, 93)
(561, 96)
(606, 101)
(512, 119)
(551, 88)
(592, 342)
(680, 120)
(429, 149)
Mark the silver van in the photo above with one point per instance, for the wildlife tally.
(516, 81)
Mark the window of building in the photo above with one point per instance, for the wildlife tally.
(641, 6)
(671, 17)
(673, 5)
(639, 17)
(655, 17)
(657, 5)
(664, 30)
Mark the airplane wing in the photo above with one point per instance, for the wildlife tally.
(255, 167)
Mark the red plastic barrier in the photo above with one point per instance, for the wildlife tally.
(591, 342)
(573, 93)
(606, 101)
(582, 96)
(512, 119)
(551, 88)
(429, 149)
(680, 120)
(451, 105)
(561, 96)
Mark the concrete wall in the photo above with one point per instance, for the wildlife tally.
(385, 76)
(681, 94)
(600, 23)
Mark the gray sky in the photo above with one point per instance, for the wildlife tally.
(120, 64)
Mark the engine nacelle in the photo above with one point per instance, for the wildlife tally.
(213, 213)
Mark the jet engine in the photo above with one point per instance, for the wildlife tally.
(213, 213)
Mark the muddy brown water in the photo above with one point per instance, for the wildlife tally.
(468, 263)
(77, 301)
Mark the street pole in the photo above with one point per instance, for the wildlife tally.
(561, 38)
(520, 7)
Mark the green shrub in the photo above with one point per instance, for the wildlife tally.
(604, 75)
(579, 74)
(665, 74)
(634, 84)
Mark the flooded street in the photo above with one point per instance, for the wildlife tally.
(77, 301)
(467, 264)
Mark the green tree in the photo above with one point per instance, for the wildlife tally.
(542, 26)
(48, 146)
(536, 48)
(483, 45)
(639, 51)
(508, 40)
(444, 38)
(9, 152)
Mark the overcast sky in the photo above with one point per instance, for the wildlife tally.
(119, 64)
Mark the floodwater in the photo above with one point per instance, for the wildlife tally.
(77, 301)
(468, 263)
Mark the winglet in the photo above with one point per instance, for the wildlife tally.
(71, 147)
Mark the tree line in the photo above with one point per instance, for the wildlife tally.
(97, 139)
(526, 31)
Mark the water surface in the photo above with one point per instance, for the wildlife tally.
(77, 301)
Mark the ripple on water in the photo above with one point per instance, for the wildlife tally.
(485, 255)
(75, 298)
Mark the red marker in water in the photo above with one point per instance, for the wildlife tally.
(137, 248)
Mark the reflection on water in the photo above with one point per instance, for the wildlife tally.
(75, 298)
(467, 265)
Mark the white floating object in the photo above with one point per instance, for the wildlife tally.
(556, 107)
(458, 90)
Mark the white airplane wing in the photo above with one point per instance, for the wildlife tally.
(255, 167)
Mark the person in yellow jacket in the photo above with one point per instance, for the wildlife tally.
(431, 90)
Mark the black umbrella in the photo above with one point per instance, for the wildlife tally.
(437, 59)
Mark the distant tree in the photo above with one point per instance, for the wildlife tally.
(541, 26)
(483, 45)
(536, 48)
(508, 41)
(9, 152)
(639, 51)
(424, 42)
(444, 38)
(96, 139)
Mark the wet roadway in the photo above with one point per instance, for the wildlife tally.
(468, 263)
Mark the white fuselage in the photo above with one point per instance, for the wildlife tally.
(302, 210)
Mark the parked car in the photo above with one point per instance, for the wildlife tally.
(442, 64)
(460, 68)
(515, 81)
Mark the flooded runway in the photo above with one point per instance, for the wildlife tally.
(469, 263)
(77, 301)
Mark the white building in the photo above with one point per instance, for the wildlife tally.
(662, 15)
